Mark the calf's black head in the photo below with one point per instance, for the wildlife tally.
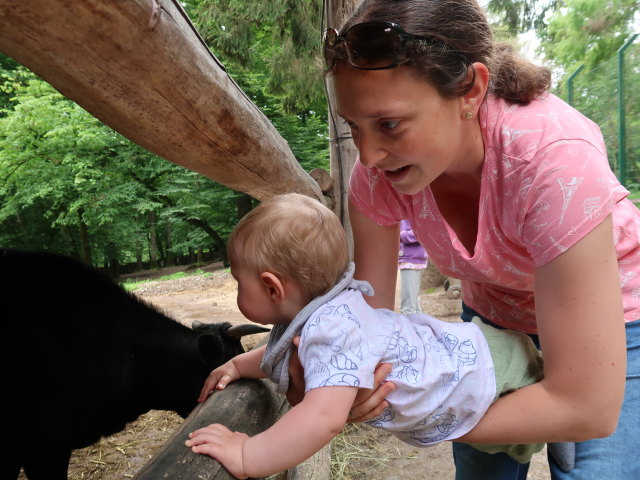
(219, 342)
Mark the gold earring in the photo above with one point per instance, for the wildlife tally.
(468, 115)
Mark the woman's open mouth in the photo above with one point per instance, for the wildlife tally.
(397, 174)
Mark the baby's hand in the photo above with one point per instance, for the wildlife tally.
(219, 442)
(218, 379)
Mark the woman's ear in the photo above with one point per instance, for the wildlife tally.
(273, 286)
(471, 101)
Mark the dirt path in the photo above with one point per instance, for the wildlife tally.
(370, 454)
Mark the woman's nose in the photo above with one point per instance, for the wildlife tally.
(370, 150)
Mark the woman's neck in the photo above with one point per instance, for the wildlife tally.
(458, 199)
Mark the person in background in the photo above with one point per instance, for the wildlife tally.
(412, 260)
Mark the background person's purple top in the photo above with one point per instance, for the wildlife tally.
(412, 255)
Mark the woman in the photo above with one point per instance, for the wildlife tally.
(509, 189)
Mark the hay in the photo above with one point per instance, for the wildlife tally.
(354, 451)
(123, 454)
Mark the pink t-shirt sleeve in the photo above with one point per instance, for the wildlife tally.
(373, 196)
(572, 190)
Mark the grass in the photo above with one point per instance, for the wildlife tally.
(132, 285)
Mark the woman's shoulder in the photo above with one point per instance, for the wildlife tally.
(522, 131)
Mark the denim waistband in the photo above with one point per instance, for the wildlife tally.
(632, 328)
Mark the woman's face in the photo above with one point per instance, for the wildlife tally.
(404, 127)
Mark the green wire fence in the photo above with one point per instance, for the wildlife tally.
(609, 94)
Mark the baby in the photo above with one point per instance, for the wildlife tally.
(289, 256)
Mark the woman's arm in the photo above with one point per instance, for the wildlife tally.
(376, 257)
(581, 328)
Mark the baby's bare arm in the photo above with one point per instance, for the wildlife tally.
(300, 433)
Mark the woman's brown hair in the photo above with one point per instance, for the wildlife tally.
(463, 37)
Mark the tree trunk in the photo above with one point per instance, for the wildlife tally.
(243, 205)
(84, 239)
(113, 263)
(142, 68)
(171, 256)
(138, 246)
(70, 239)
(343, 152)
(153, 241)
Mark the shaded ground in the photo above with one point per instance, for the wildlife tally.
(367, 453)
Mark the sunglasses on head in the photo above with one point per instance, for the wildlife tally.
(369, 45)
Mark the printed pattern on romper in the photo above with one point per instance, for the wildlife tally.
(343, 342)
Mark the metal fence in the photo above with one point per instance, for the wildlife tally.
(609, 94)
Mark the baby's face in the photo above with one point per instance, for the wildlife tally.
(253, 295)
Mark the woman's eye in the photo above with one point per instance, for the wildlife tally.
(389, 124)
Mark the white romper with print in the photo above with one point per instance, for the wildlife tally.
(443, 371)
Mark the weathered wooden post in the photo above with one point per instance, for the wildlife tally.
(141, 68)
(343, 152)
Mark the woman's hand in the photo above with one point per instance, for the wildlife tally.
(370, 403)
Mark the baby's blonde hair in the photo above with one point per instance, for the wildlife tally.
(295, 237)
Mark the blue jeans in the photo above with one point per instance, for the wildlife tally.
(611, 458)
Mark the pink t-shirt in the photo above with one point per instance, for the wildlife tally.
(546, 183)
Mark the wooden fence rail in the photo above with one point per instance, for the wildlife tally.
(248, 406)
(140, 67)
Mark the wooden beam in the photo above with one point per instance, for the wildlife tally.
(248, 406)
(141, 68)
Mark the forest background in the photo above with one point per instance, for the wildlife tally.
(71, 185)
